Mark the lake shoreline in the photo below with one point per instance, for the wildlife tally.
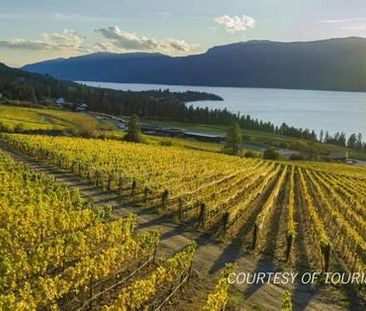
(317, 110)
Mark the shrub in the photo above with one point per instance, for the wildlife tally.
(246, 138)
(250, 154)
(270, 154)
(167, 143)
(296, 157)
(19, 128)
(134, 131)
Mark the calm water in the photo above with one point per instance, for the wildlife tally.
(333, 111)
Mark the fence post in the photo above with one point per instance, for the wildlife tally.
(255, 232)
(225, 219)
(109, 182)
(190, 271)
(202, 215)
(155, 252)
(180, 203)
(88, 174)
(133, 187)
(164, 199)
(91, 294)
(326, 257)
(289, 246)
(96, 178)
(120, 185)
(146, 193)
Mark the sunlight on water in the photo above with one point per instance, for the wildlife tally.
(332, 111)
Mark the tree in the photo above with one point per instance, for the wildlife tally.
(32, 94)
(321, 136)
(233, 138)
(327, 137)
(134, 131)
(270, 154)
(250, 154)
(352, 140)
(359, 141)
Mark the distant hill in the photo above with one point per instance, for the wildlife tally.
(16, 84)
(334, 64)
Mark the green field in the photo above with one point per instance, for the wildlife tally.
(265, 140)
(18, 119)
(27, 119)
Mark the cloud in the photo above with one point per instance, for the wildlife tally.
(110, 39)
(61, 17)
(24, 44)
(118, 39)
(65, 40)
(68, 39)
(159, 13)
(342, 21)
(348, 24)
(236, 23)
(14, 16)
(73, 17)
(354, 28)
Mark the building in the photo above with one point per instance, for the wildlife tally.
(205, 137)
(338, 156)
(60, 101)
(82, 108)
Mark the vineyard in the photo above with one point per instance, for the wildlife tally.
(56, 252)
(59, 252)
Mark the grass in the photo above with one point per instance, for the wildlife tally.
(14, 118)
(184, 143)
(265, 139)
(25, 119)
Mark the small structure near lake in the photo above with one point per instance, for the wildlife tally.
(338, 156)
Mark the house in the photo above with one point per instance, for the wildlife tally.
(47, 102)
(82, 108)
(205, 137)
(60, 101)
(338, 156)
(161, 131)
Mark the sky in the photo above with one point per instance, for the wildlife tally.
(37, 30)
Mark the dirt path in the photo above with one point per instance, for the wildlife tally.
(211, 254)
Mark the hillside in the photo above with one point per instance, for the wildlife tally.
(335, 64)
(300, 211)
(37, 88)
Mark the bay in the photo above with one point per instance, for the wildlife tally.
(316, 110)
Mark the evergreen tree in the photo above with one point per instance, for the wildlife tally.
(359, 141)
(327, 137)
(271, 154)
(134, 131)
(352, 140)
(321, 136)
(32, 95)
(233, 138)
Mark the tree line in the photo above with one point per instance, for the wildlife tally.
(354, 141)
(155, 104)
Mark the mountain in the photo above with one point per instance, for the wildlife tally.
(101, 67)
(16, 84)
(334, 64)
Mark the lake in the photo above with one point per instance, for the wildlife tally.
(328, 110)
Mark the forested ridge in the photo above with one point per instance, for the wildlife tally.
(154, 104)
